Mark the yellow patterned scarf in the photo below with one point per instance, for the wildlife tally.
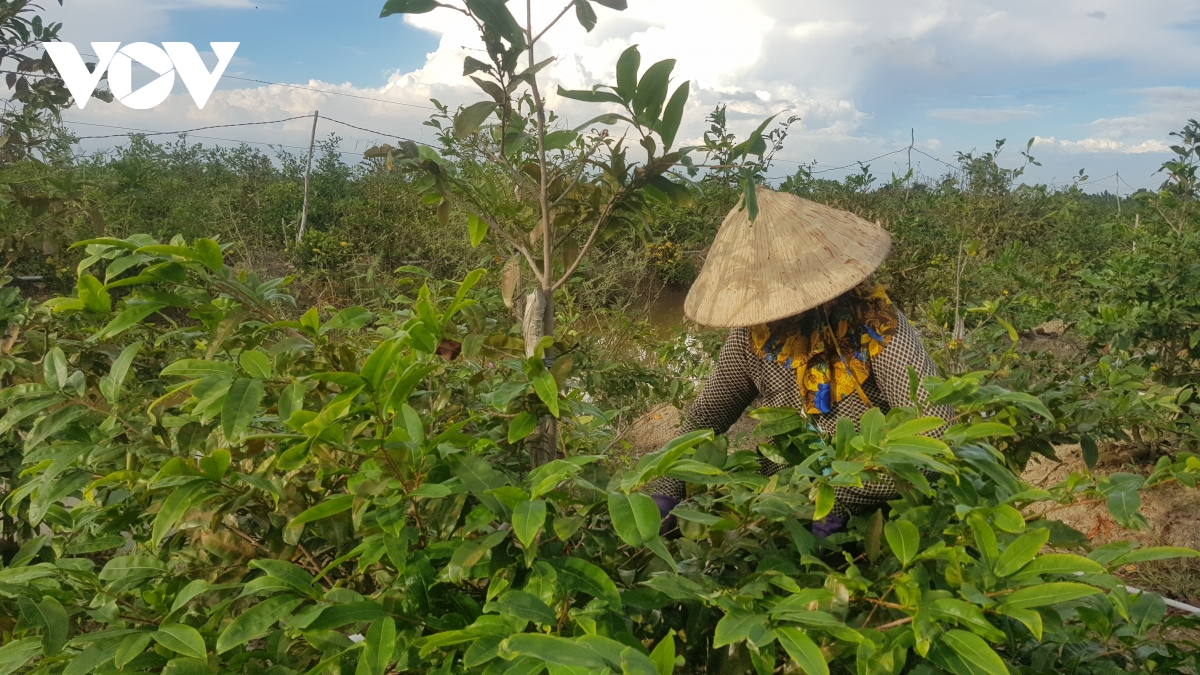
(830, 346)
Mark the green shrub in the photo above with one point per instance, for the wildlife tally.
(201, 483)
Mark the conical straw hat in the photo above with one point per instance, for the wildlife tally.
(796, 255)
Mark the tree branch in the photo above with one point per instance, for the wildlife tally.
(587, 245)
(533, 40)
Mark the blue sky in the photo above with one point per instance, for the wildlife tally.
(1100, 83)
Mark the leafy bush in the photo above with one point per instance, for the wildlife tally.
(202, 484)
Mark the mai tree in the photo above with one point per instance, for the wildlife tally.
(545, 191)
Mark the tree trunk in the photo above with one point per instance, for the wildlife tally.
(538, 323)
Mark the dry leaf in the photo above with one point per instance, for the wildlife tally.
(510, 279)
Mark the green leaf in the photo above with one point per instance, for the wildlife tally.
(1150, 553)
(181, 639)
(964, 613)
(174, 506)
(200, 368)
(803, 650)
(408, 7)
(110, 385)
(749, 196)
(652, 90)
(547, 390)
(15, 653)
(93, 295)
(1091, 454)
(54, 368)
(646, 514)
(210, 254)
(619, 5)
(327, 508)
(585, 14)
(825, 501)
(1021, 551)
(188, 593)
(495, 16)
(871, 427)
(1124, 506)
(477, 228)
(1047, 594)
(478, 475)
(663, 655)
(673, 115)
(576, 574)
(256, 621)
(528, 518)
(526, 606)
(256, 364)
(628, 65)
(903, 538)
(291, 399)
(349, 613)
(736, 626)
(54, 623)
(130, 317)
(245, 395)
(22, 411)
(916, 427)
(521, 426)
(132, 567)
(186, 666)
(624, 522)
(378, 647)
(1059, 563)
(130, 648)
(558, 140)
(349, 319)
(963, 653)
(1029, 617)
(470, 118)
(590, 96)
(413, 424)
(286, 572)
(553, 650)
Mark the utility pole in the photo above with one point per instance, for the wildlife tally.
(908, 179)
(304, 210)
(1118, 193)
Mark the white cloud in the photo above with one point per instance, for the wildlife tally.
(984, 115)
(826, 61)
(1093, 145)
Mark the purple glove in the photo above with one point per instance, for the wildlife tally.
(665, 504)
(828, 525)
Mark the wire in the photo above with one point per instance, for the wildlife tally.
(862, 162)
(211, 138)
(372, 131)
(183, 131)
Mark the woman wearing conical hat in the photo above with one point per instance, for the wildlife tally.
(809, 331)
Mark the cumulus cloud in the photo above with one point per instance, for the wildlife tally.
(1110, 145)
(983, 115)
(840, 66)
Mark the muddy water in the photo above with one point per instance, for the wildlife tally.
(665, 312)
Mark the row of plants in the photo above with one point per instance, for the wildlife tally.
(202, 478)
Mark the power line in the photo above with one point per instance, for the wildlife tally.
(372, 131)
(183, 131)
(210, 138)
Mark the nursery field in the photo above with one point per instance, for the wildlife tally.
(414, 439)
